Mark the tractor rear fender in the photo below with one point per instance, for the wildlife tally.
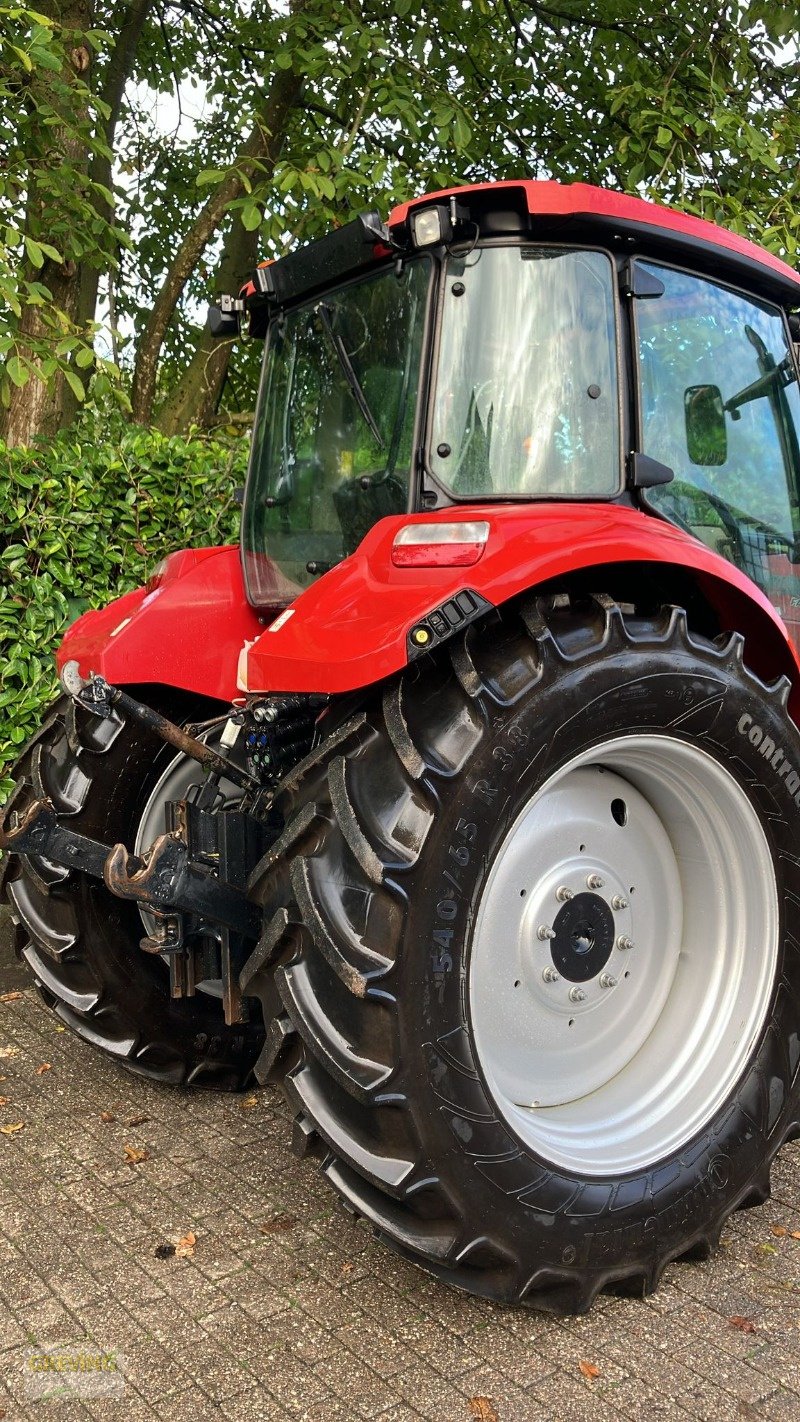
(356, 625)
(192, 626)
(185, 629)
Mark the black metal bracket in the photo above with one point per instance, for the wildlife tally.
(164, 879)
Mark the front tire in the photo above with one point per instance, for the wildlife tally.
(80, 942)
(473, 1133)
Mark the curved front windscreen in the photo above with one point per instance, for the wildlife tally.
(526, 401)
(333, 440)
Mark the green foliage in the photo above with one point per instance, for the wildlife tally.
(87, 517)
(50, 207)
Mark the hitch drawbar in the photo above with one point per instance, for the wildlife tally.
(166, 879)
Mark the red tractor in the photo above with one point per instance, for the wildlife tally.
(465, 803)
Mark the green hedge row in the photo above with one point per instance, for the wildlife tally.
(86, 517)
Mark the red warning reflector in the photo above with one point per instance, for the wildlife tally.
(439, 545)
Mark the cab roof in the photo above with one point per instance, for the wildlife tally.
(619, 219)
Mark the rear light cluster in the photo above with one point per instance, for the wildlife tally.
(439, 545)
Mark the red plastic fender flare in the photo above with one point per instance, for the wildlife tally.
(350, 628)
(186, 629)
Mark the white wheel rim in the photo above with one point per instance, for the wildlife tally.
(650, 1045)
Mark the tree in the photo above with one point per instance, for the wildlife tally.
(316, 112)
(50, 205)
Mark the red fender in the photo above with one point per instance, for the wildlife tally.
(185, 629)
(350, 628)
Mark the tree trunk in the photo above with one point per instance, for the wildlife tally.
(40, 407)
(262, 145)
(115, 78)
(196, 396)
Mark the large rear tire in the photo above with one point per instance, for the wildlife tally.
(80, 941)
(532, 1117)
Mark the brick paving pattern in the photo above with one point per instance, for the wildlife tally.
(287, 1309)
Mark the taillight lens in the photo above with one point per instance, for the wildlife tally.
(439, 545)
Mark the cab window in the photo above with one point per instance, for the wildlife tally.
(719, 404)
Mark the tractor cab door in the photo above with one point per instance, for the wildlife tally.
(719, 404)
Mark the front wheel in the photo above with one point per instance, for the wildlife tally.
(538, 969)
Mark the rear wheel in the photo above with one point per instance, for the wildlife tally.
(110, 781)
(535, 952)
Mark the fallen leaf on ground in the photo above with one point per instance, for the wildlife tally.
(133, 1155)
(59, 1028)
(4, 1100)
(278, 1224)
(794, 1235)
(184, 1249)
(766, 1249)
(745, 1325)
(107, 1116)
(483, 1409)
(12, 1129)
(40, 1070)
(10, 996)
(348, 1266)
(248, 1103)
(137, 1120)
(6, 1052)
(164, 1251)
(589, 1370)
(780, 1230)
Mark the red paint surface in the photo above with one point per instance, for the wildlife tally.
(349, 628)
(547, 199)
(187, 632)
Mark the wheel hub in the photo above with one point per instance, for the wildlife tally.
(584, 938)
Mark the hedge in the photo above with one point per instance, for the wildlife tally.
(86, 517)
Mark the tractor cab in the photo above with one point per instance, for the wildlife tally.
(523, 343)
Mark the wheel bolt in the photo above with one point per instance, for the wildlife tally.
(607, 980)
(594, 881)
(544, 932)
(550, 975)
(618, 902)
(577, 994)
(563, 894)
(625, 943)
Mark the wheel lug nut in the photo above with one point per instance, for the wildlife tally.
(544, 931)
(594, 881)
(607, 980)
(624, 942)
(563, 894)
(550, 975)
(618, 902)
(577, 994)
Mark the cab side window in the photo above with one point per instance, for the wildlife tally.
(719, 404)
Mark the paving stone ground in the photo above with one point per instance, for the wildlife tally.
(286, 1309)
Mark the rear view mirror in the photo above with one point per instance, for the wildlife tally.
(706, 435)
